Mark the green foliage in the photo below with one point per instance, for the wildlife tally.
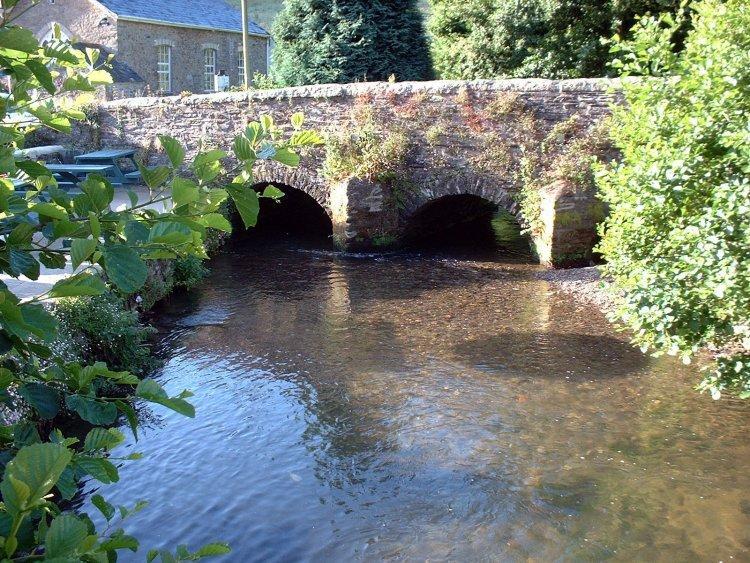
(101, 329)
(363, 150)
(530, 38)
(327, 41)
(678, 238)
(567, 153)
(189, 272)
(113, 249)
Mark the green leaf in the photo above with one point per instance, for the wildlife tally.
(37, 468)
(273, 192)
(39, 321)
(171, 233)
(99, 77)
(23, 262)
(213, 549)
(18, 39)
(99, 468)
(243, 148)
(184, 192)
(151, 391)
(44, 399)
(102, 439)
(246, 201)
(42, 74)
(217, 221)
(120, 541)
(107, 510)
(286, 156)
(298, 119)
(125, 268)
(65, 536)
(50, 210)
(173, 148)
(78, 285)
(208, 157)
(91, 410)
(21, 234)
(100, 191)
(154, 177)
(81, 250)
(130, 414)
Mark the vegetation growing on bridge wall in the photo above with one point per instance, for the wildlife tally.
(677, 241)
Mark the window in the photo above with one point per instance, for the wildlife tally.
(164, 67)
(241, 65)
(209, 65)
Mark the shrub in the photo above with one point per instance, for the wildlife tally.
(189, 271)
(324, 41)
(100, 329)
(677, 241)
(526, 38)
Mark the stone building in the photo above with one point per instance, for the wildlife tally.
(160, 46)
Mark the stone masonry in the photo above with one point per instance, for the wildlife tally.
(135, 43)
(465, 137)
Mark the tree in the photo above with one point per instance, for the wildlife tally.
(677, 241)
(530, 38)
(40, 467)
(335, 41)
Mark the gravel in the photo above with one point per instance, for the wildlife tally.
(585, 284)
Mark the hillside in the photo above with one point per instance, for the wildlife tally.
(264, 11)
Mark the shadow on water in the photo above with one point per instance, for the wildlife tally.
(554, 355)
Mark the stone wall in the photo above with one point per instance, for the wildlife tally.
(138, 43)
(86, 20)
(465, 138)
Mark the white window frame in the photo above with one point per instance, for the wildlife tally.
(209, 68)
(240, 65)
(164, 67)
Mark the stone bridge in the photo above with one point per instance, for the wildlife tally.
(461, 138)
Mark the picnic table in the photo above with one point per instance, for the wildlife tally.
(122, 160)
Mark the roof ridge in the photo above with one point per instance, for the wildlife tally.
(220, 15)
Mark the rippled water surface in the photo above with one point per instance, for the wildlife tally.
(414, 408)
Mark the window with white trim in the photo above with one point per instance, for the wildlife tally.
(164, 67)
(209, 69)
(241, 65)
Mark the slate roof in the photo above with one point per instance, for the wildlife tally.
(120, 71)
(218, 14)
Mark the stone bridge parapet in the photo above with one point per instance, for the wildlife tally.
(466, 137)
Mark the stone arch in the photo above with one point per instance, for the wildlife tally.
(497, 192)
(298, 178)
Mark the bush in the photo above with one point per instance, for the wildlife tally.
(529, 38)
(677, 241)
(189, 272)
(326, 41)
(101, 329)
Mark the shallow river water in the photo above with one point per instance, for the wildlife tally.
(426, 408)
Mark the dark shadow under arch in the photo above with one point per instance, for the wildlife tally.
(465, 221)
(297, 215)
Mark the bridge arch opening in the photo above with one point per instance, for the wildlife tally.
(296, 216)
(465, 222)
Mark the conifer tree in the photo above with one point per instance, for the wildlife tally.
(323, 41)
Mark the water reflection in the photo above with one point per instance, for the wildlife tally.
(428, 408)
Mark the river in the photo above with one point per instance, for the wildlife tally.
(417, 407)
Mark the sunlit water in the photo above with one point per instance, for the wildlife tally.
(414, 408)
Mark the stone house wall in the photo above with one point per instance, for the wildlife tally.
(84, 19)
(138, 45)
(135, 43)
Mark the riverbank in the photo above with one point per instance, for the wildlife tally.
(585, 284)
